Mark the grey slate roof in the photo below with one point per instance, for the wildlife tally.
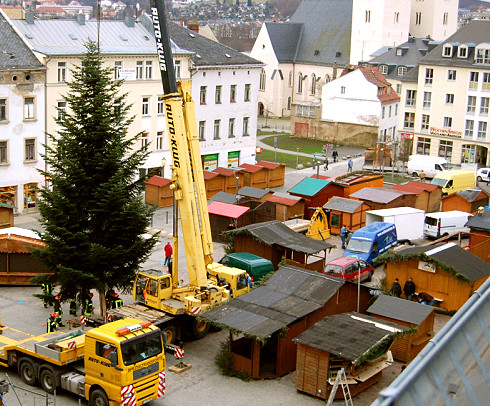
(453, 255)
(412, 52)
(319, 33)
(285, 40)
(248, 191)
(343, 204)
(377, 195)
(346, 335)
(67, 37)
(276, 233)
(473, 33)
(480, 221)
(327, 28)
(400, 309)
(207, 52)
(471, 194)
(14, 53)
(223, 197)
(290, 294)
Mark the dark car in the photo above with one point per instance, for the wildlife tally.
(348, 268)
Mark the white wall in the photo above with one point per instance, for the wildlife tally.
(358, 105)
(431, 23)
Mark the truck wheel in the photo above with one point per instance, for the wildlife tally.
(199, 328)
(48, 381)
(171, 333)
(478, 178)
(414, 174)
(98, 398)
(27, 372)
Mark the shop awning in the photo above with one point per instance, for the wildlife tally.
(226, 209)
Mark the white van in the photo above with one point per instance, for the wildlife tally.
(442, 223)
(431, 165)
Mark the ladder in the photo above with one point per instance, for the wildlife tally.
(342, 380)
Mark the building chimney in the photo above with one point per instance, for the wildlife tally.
(193, 26)
(29, 17)
(129, 21)
(81, 18)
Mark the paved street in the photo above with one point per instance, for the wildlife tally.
(202, 384)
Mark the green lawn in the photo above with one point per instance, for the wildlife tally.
(285, 141)
(286, 159)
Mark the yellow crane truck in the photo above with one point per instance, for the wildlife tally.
(163, 300)
(119, 363)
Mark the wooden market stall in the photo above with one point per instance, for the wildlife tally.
(314, 192)
(213, 183)
(447, 272)
(479, 226)
(276, 242)
(17, 264)
(421, 195)
(469, 200)
(348, 212)
(381, 198)
(254, 176)
(435, 195)
(287, 206)
(6, 215)
(275, 173)
(253, 193)
(230, 179)
(411, 315)
(158, 192)
(358, 343)
(268, 318)
(225, 216)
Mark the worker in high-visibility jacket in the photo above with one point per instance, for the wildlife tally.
(47, 289)
(113, 301)
(87, 305)
(52, 324)
(58, 309)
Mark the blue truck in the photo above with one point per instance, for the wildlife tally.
(371, 241)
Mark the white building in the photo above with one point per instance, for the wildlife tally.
(22, 113)
(129, 48)
(437, 19)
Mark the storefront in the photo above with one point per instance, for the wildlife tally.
(210, 162)
(233, 159)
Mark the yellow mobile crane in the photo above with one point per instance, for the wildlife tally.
(210, 283)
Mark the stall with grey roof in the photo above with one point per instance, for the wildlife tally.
(263, 322)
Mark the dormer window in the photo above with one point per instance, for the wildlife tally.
(483, 54)
(383, 69)
(402, 70)
(447, 51)
(463, 51)
(399, 52)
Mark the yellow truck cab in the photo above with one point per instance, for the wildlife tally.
(454, 181)
(118, 363)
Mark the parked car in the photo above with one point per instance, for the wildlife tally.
(348, 268)
(482, 174)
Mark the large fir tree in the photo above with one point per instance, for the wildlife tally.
(91, 210)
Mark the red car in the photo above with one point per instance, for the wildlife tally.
(348, 268)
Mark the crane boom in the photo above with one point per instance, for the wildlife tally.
(187, 174)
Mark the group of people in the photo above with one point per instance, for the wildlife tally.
(55, 319)
(409, 292)
(335, 155)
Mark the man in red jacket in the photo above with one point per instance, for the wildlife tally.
(168, 253)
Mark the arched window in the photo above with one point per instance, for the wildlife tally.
(313, 84)
(290, 79)
(300, 82)
(262, 80)
(289, 103)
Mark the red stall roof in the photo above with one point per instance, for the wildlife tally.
(226, 209)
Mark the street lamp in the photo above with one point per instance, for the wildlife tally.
(164, 162)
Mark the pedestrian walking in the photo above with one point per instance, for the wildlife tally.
(168, 253)
(52, 323)
(325, 165)
(343, 235)
(335, 154)
(422, 176)
(350, 164)
(396, 289)
(409, 289)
